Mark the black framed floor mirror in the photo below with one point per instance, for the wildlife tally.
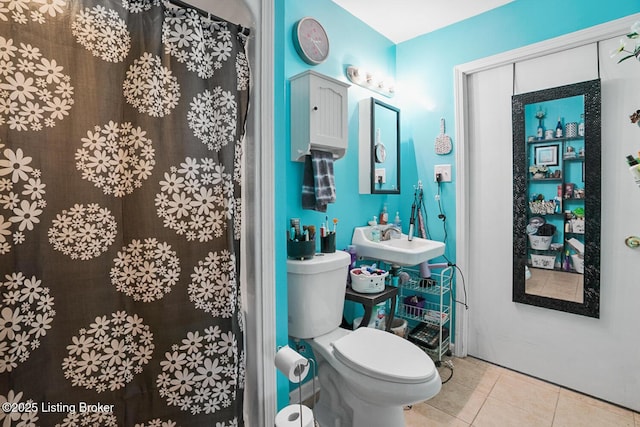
(556, 198)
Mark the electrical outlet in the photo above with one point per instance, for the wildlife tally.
(381, 175)
(444, 171)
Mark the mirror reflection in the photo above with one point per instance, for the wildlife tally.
(385, 148)
(557, 198)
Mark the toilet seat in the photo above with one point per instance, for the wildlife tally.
(384, 356)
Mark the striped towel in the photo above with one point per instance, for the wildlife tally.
(318, 185)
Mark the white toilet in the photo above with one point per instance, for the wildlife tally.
(366, 375)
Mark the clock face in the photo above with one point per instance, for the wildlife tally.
(311, 41)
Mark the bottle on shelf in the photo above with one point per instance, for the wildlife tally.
(634, 168)
(559, 130)
(567, 262)
(581, 126)
(540, 115)
(540, 130)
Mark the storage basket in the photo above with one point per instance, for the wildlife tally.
(578, 263)
(543, 261)
(368, 283)
(414, 305)
(540, 242)
(427, 335)
(577, 225)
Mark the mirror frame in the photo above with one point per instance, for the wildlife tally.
(592, 164)
(396, 145)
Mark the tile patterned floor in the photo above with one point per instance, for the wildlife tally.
(555, 284)
(484, 395)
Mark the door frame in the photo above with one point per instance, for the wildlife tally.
(462, 72)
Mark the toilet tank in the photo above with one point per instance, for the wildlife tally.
(315, 290)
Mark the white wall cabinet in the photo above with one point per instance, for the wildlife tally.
(318, 115)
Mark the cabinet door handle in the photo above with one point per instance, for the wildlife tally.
(315, 108)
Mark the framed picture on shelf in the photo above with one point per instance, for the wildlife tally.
(547, 155)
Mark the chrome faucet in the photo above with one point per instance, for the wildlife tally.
(386, 233)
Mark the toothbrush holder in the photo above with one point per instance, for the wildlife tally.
(328, 243)
(303, 249)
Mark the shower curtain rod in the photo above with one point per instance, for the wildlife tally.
(188, 6)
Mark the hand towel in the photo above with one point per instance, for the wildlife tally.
(318, 184)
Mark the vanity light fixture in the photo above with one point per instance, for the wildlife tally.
(371, 81)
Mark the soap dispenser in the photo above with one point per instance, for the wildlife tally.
(384, 216)
(397, 221)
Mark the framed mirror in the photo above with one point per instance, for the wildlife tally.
(379, 147)
(556, 198)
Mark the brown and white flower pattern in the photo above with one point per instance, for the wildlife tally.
(213, 118)
(213, 284)
(145, 270)
(157, 422)
(21, 197)
(34, 91)
(196, 199)
(88, 418)
(116, 158)
(203, 44)
(83, 232)
(26, 315)
(200, 375)
(151, 87)
(23, 11)
(103, 33)
(243, 71)
(18, 418)
(107, 354)
(137, 6)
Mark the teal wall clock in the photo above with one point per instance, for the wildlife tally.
(311, 41)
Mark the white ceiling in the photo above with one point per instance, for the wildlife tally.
(401, 20)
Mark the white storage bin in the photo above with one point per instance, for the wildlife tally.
(540, 242)
(578, 263)
(543, 261)
(368, 283)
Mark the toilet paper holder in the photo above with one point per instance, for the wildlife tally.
(296, 367)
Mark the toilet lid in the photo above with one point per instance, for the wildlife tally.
(384, 355)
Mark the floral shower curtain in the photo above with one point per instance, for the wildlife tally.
(121, 128)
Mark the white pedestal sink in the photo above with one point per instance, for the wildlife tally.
(399, 251)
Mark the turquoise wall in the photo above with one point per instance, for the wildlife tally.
(352, 42)
(425, 78)
(423, 70)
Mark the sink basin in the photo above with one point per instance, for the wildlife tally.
(402, 251)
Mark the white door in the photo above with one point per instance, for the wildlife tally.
(599, 357)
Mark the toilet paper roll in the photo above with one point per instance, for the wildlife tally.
(292, 364)
(290, 416)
